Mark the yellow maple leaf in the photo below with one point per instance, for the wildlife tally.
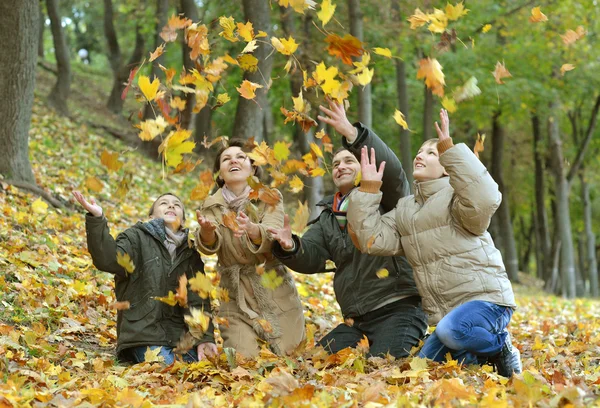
(318, 172)
(247, 89)
(467, 91)
(251, 46)
(365, 76)
(222, 99)
(384, 52)
(39, 206)
(316, 150)
(449, 104)
(128, 396)
(431, 70)
(382, 273)
(169, 299)
(285, 47)
(262, 155)
(418, 19)
(301, 217)
(149, 89)
(271, 280)
(228, 25)
(125, 261)
(400, 119)
(537, 16)
(94, 184)
(455, 12)
(177, 103)
(326, 12)
(246, 31)
(298, 5)
(299, 104)
(201, 284)
(175, 146)
(281, 150)
(151, 128)
(197, 321)
(110, 160)
(248, 62)
(570, 36)
(566, 67)
(438, 21)
(296, 185)
(486, 28)
(200, 192)
(362, 64)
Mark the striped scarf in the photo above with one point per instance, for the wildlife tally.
(340, 208)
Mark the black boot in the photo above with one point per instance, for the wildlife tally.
(508, 360)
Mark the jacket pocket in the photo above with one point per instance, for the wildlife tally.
(140, 310)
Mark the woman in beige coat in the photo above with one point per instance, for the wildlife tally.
(259, 310)
(442, 231)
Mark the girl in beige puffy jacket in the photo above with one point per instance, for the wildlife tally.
(442, 231)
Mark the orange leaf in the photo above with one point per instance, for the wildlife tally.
(570, 37)
(431, 70)
(501, 72)
(270, 196)
(247, 89)
(111, 160)
(537, 16)
(120, 305)
(344, 48)
(479, 144)
(230, 221)
(94, 184)
(157, 52)
(182, 295)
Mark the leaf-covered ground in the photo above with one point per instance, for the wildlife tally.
(57, 329)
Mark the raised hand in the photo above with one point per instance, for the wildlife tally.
(90, 207)
(207, 228)
(444, 132)
(368, 167)
(206, 350)
(283, 235)
(336, 117)
(245, 225)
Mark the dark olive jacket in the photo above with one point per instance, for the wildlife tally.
(357, 287)
(147, 322)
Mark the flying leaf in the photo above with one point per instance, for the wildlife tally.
(157, 52)
(201, 284)
(271, 280)
(316, 150)
(326, 12)
(151, 128)
(501, 72)
(344, 48)
(246, 31)
(149, 89)
(222, 99)
(486, 28)
(200, 192)
(197, 321)
(431, 70)
(169, 73)
(455, 12)
(467, 91)
(281, 150)
(228, 25)
(125, 261)
(175, 146)
(400, 119)
(262, 155)
(182, 294)
(570, 37)
(566, 67)
(298, 5)
(301, 217)
(479, 144)
(120, 305)
(438, 21)
(39, 206)
(177, 103)
(384, 52)
(197, 40)
(365, 77)
(537, 16)
(129, 82)
(247, 89)
(418, 19)
(449, 104)
(169, 299)
(382, 273)
(296, 185)
(110, 160)
(250, 47)
(270, 196)
(285, 47)
(94, 184)
(248, 62)
(230, 221)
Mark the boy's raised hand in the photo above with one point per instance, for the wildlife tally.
(444, 132)
(336, 117)
(368, 167)
(283, 235)
(92, 207)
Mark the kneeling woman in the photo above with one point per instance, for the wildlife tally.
(254, 312)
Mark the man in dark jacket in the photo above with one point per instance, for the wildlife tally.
(158, 255)
(377, 295)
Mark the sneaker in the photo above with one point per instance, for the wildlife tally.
(508, 360)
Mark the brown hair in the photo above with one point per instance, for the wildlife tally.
(242, 144)
(435, 141)
(166, 194)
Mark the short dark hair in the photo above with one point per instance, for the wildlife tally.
(166, 194)
(242, 144)
(435, 141)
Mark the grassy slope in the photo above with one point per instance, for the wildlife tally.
(57, 330)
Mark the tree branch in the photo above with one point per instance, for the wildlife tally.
(36, 190)
(585, 142)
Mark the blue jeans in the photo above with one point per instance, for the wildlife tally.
(473, 329)
(137, 353)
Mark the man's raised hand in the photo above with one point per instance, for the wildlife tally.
(336, 117)
(283, 235)
(90, 207)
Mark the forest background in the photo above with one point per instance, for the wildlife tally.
(127, 98)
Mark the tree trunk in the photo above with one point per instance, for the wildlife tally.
(543, 259)
(528, 234)
(511, 257)
(60, 93)
(248, 117)
(590, 237)
(18, 29)
(189, 10)
(563, 215)
(42, 27)
(402, 90)
(427, 115)
(364, 93)
(162, 8)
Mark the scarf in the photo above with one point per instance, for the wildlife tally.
(340, 208)
(236, 203)
(171, 240)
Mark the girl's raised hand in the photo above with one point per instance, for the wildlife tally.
(90, 207)
(368, 167)
(284, 235)
(245, 225)
(444, 132)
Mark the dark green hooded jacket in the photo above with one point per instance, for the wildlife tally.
(357, 287)
(147, 322)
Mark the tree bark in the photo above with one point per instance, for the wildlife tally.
(563, 215)
(543, 258)
(189, 10)
(590, 237)
(42, 27)
(365, 104)
(402, 90)
(60, 93)
(19, 31)
(427, 115)
(511, 257)
(249, 116)
(162, 9)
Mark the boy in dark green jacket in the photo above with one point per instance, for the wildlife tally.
(160, 255)
(385, 308)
